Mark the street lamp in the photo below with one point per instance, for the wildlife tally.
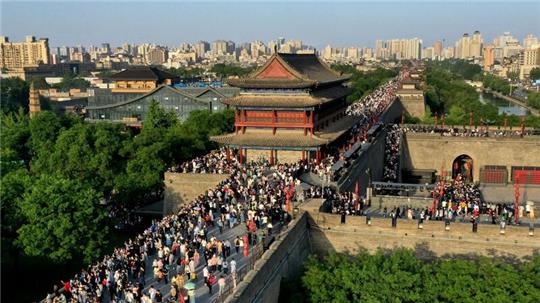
(447, 224)
(368, 219)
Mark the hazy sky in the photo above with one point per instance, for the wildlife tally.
(316, 23)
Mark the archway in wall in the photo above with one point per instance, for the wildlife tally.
(463, 167)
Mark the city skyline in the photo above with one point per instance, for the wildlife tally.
(292, 21)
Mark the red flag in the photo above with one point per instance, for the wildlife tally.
(246, 245)
(434, 207)
(517, 195)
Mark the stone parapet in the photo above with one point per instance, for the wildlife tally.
(183, 188)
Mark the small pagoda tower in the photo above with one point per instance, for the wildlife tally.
(33, 101)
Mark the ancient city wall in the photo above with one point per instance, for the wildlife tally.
(431, 151)
(321, 233)
(393, 113)
(184, 188)
(414, 105)
(328, 234)
(283, 259)
(381, 201)
(372, 158)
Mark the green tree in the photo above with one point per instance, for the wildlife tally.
(496, 83)
(223, 70)
(398, 276)
(534, 74)
(44, 129)
(513, 76)
(70, 81)
(14, 94)
(533, 99)
(14, 136)
(64, 220)
(149, 155)
(187, 73)
(12, 187)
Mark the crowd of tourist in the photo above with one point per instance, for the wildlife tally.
(451, 131)
(392, 153)
(215, 162)
(345, 203)
(180, 246)
(457, 198)
(373, 105)
(367, 110)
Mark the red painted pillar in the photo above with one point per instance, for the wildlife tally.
(241, 156)
(305, 123)
(318, 156)
(312, 117)
(245, 155)
(236, 121)
(271, 157)
(517, 195)
(228, 153)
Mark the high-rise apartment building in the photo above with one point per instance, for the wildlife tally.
(437, 49)
(530, 41)
(219, 47)
(201, 48)
(353, 53)
(469, 47)
(463, 47)
(257, 48)
(380, 49)
(501, 41)
(29, 53)
(531, 59)
(105, 48)
(399, 49)
(449, 52)
(327, 53)
(367, 53)
(157, 56)
(476, 45)
(428, 53)
(222, 47)
(489, 57)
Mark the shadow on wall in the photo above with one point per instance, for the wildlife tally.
(172, 202)
(406, 159)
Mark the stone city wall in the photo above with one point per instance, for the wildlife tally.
(183, 188)
(432, 151)
(283, 259)
(328, 234)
